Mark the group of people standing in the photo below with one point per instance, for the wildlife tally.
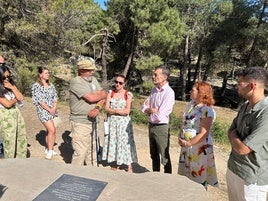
(247, 174)
(87, 97)
(196, 160)
(13, 132)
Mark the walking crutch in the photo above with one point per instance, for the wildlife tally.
(97, 140)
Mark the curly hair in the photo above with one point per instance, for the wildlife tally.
(205, 92)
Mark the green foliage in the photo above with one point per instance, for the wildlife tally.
(175, 124)
(142, 34)
(161, 29)
(219, 132)
(24, 75)
(138, 117)
(147, 86)
(148, 62)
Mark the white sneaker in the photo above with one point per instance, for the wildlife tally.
(49, 154)
(53, 152)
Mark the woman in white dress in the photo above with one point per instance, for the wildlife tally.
(119, 146)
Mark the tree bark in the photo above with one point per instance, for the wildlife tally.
(185, 69)
(104, 59)
(256, 37)
(130, 57)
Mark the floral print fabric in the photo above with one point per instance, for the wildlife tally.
(13, 133)
(43, 94)
(197, 162)
(119, 144)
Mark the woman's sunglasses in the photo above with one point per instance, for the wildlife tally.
(9, 77)
(117, 82)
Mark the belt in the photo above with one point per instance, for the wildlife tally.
(151, 124)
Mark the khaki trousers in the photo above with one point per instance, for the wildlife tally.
(83, 144)
(239, 190)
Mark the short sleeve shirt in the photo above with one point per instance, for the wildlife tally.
(252, 129)
(79, 107)
(194, 113)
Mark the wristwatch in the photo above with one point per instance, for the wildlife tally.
(97, 107)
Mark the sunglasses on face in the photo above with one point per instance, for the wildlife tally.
(117, 82)
(9, 77)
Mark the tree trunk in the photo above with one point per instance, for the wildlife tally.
(184, 69)
(253, 47)
(207, 69)
(104, 60)
(130, 57)
(197, 66)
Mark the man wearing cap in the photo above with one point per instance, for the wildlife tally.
(86, 100)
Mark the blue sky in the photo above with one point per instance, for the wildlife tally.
(101, 3)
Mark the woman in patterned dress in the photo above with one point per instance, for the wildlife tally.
(119, 146)
(196, 160)
(12, 126)
(45, 99)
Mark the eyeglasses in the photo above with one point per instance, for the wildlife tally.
(117, 82)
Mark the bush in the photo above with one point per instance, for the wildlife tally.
(147, 86)
(175, 124)
(219, 132)
(138, 117)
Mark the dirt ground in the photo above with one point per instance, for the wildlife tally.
(36, 136)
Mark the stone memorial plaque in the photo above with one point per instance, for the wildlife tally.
(72, 188)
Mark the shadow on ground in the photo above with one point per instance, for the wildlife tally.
(2, 190)
(136, 167)
(41, 137)
(66, 151)
(65, 148)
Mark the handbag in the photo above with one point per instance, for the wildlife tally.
(57, 121)
(106, 127)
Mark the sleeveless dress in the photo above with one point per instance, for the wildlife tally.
(197, 162)
(119, 145)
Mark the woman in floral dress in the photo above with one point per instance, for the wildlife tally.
(12, 126)
(196, 159)
(45, 99)
(119, 146)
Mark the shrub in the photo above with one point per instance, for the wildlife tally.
(138, 117)
(175, 124)
(219, 132)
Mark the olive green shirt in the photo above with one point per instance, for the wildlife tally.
(78, 105)
(252, 129)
